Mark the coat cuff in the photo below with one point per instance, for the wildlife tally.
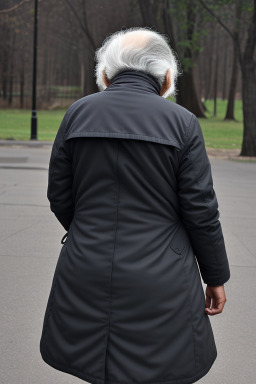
(215, 283)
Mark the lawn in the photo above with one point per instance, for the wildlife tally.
(15, 125)
(219, 133)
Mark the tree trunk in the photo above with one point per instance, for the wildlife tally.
(215, 88)
(90, 85)
(187, 96)
(22, 82)
(12, 69)
(232, 90)
(249, 111)
(249, 91)
(11, 83)
(5, 73)
(82, 83)
(5, 34)
(224, 83)
(208, 83)
(148, 12)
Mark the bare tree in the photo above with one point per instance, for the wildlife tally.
(247, 64)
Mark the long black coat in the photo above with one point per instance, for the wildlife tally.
(130, 180)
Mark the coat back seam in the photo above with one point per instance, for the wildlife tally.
(112, 262)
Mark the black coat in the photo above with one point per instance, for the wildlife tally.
(131, 182)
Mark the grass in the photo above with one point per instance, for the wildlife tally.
(15, 125)
(219, 133)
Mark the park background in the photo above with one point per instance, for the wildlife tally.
(214, 40)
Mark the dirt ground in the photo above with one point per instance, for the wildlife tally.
(231, 154)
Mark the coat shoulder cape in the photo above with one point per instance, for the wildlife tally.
(99, 115)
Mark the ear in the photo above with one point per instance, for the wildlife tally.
(167, 82)
(105, 78)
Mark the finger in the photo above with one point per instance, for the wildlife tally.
(214, 311)
(216, 308)
(207, 302)
(208, 311)
(214, 303)
(221, 304)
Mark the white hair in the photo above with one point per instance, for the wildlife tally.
(155, 57)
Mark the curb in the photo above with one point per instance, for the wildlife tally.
(229, 154)
(25, 143)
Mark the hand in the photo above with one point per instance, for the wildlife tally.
(216, 297)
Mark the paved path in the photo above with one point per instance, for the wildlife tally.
(30, 244)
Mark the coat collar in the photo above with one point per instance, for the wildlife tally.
(137, 80)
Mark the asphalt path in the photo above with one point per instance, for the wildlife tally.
(30, 245)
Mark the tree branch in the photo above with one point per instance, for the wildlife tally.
(83, 27)
(234, 35)
(14, 7)
(217, 18)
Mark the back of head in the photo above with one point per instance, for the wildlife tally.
(139, 49)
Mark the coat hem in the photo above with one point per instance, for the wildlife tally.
(94, 380)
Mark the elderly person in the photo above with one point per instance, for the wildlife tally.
(131, 183)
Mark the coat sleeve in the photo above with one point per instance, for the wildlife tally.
(199, 208)
(60, 178)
